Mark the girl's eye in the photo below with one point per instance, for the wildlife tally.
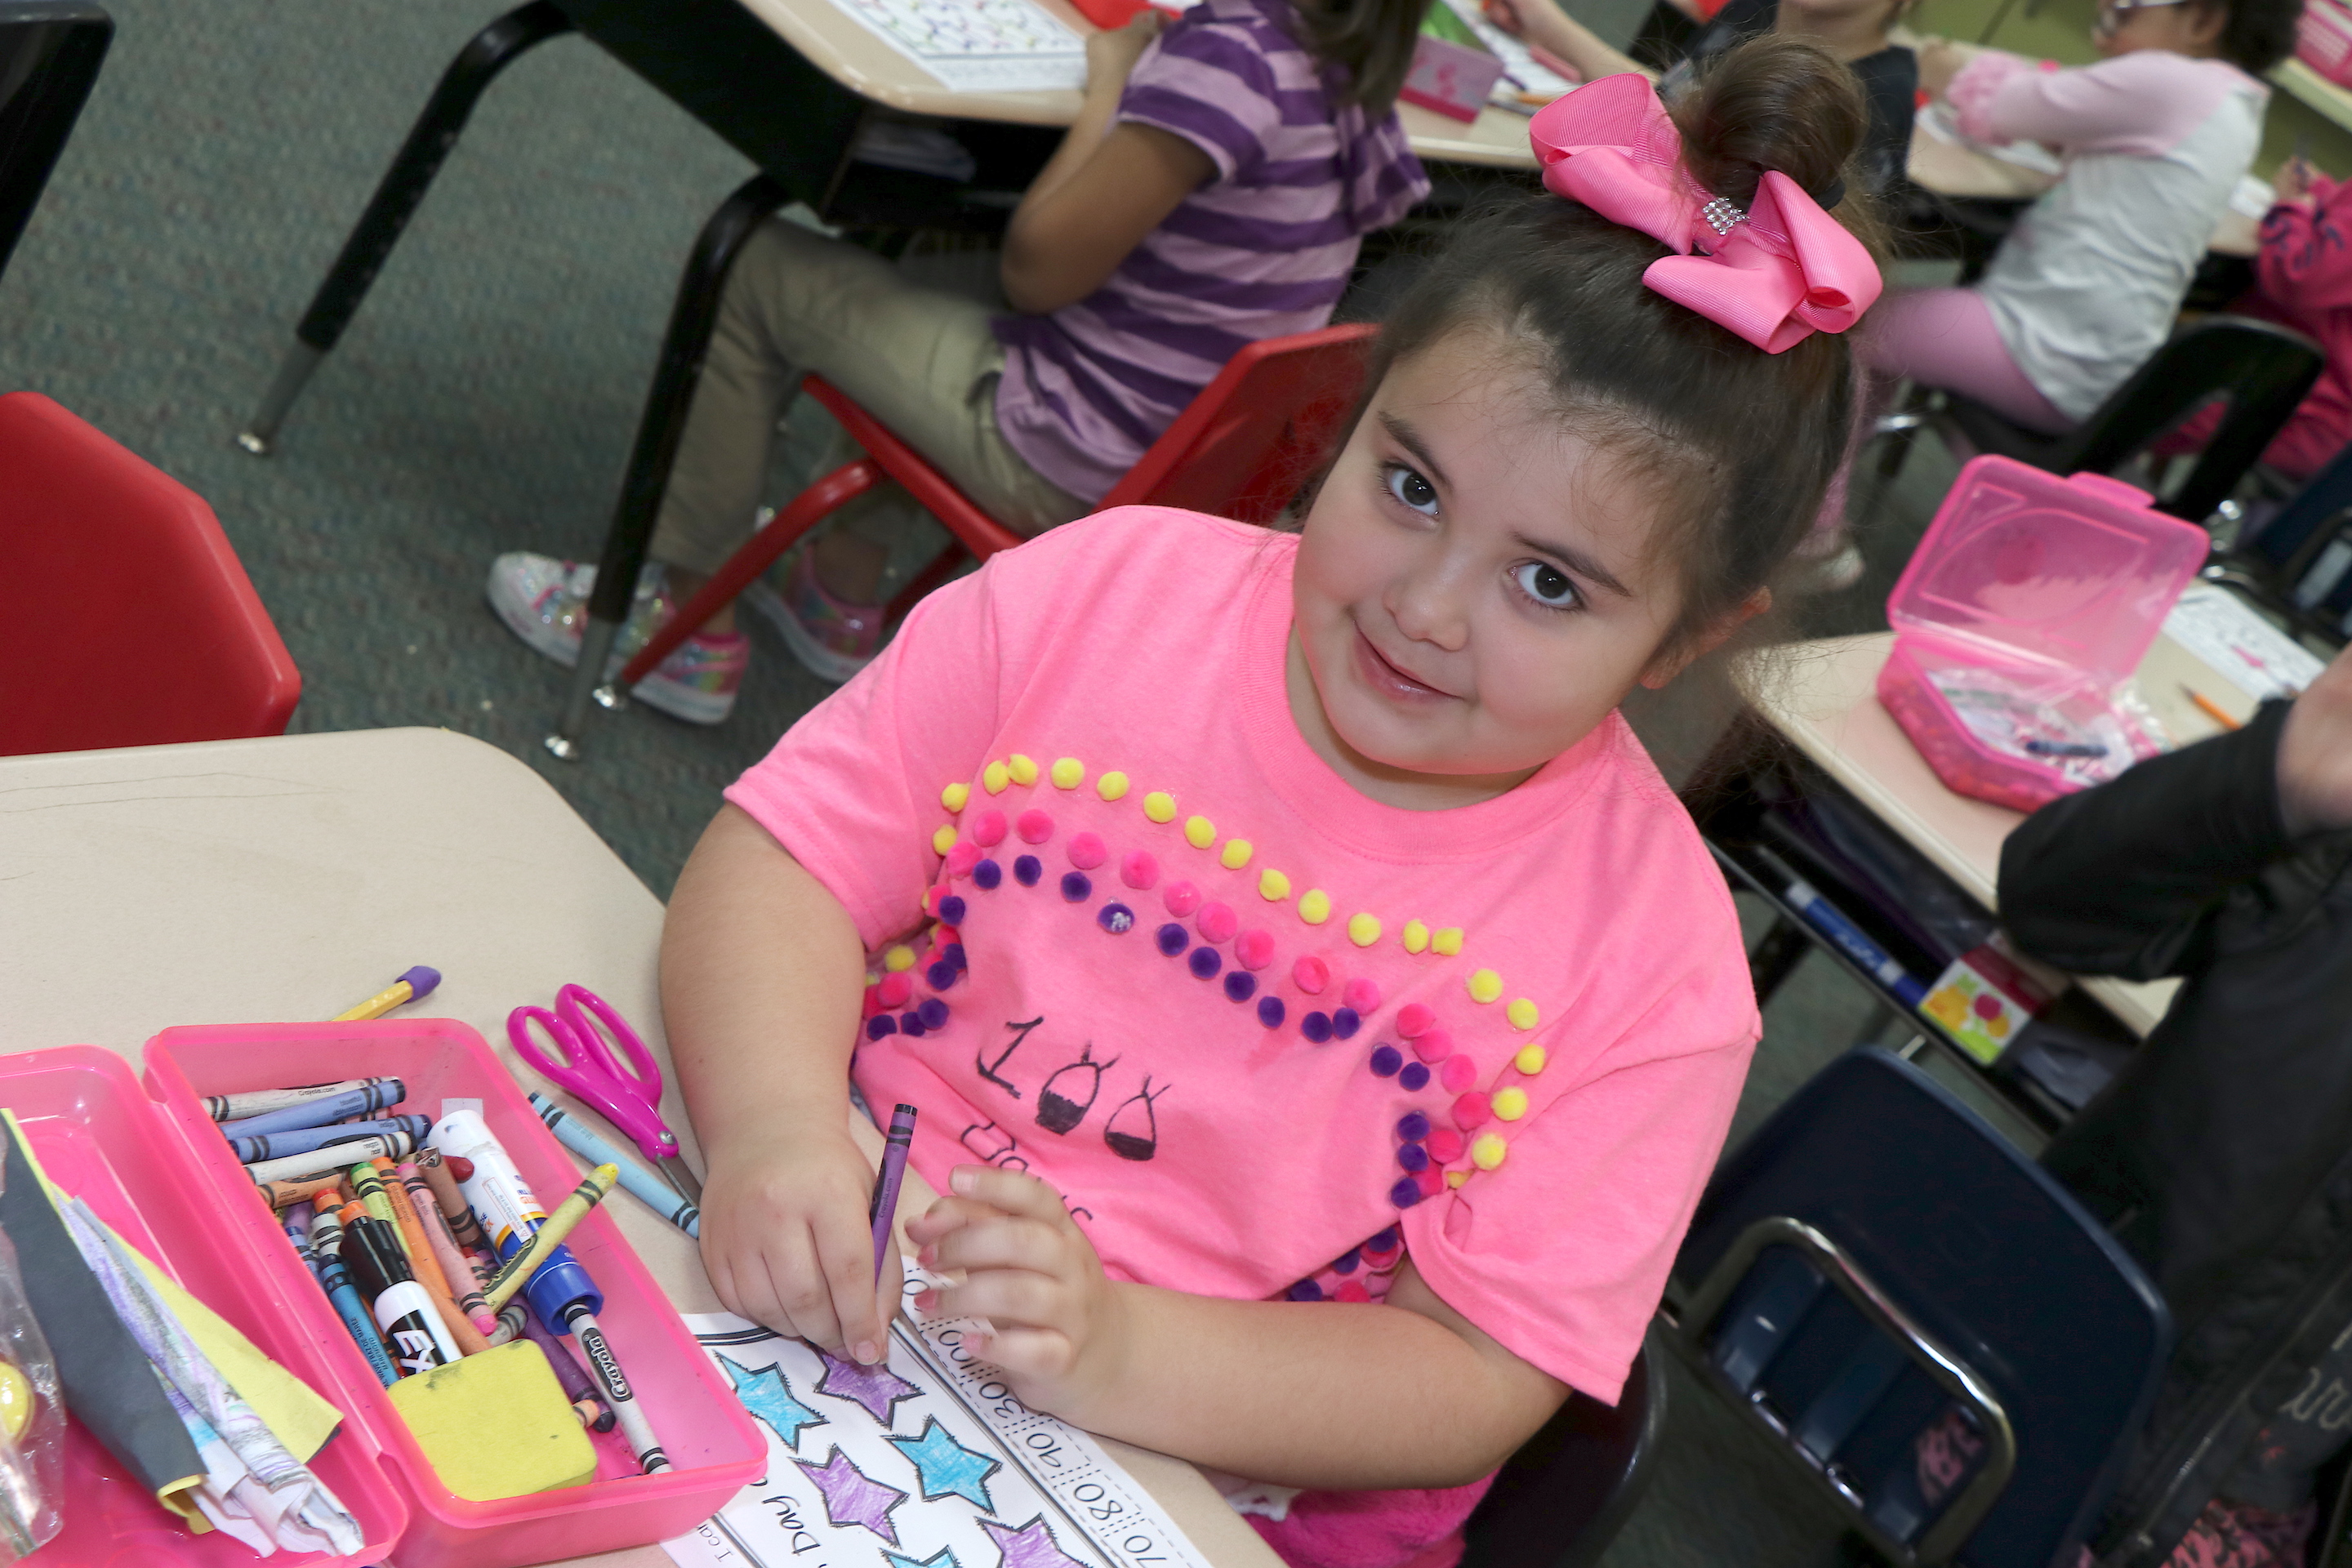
(1545, 583)
(1412, 490)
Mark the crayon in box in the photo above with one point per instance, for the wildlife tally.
(156, 1169)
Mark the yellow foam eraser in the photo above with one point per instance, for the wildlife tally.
(497, 1424)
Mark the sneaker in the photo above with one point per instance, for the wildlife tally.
(834, 638)
(544, 602)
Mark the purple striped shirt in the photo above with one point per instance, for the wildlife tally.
(1263, 249)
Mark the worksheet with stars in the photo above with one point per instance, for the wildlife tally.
(928, 1462)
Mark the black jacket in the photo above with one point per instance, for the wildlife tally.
(2221, 1156)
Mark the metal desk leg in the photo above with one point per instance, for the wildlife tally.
(659, 429)
(395, 201)
(1777, 956)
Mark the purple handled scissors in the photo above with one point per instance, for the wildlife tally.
(586, 1028)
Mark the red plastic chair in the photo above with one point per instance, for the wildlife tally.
(129, 621)
(1240, 449)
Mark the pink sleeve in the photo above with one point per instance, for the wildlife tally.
(853, 790)
(2141, 104)
(1562, 1252)
(2305, 263)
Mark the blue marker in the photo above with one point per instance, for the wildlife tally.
(327, 1252)
(1848, 938)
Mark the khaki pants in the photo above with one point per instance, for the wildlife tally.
(922, 361)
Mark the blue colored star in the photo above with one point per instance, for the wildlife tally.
(768, 1398)
(944, 1557)
(946, 1466)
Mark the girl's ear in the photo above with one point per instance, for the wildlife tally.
(2205, 23)
(1667, 666)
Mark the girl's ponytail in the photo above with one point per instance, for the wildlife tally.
(1371, 41)
(1781, 103)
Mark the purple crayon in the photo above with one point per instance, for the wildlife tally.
(884, 1209)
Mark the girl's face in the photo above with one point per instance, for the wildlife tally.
(1474, 589)
(2182, 27)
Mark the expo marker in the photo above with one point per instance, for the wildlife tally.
(425, 1267)
(404, 1309)
(418, 982)
(654, 1192)
(327, 1240)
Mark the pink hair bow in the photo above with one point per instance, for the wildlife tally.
(1775, 274)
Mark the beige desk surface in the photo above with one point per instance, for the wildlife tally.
(263, 881)
(1950, 169)
(1822, 696)
(843, 50)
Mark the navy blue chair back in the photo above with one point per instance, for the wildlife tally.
(1944, 1338)
(1561, 1499)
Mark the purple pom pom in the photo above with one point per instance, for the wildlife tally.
(1240, 985)
(952, 909)
(933, 1012)
(1076, 887)
(1172, 938)
(1412, 1127)
(1115, 919)
(1405, 1194)
(1270, 1011)
(879, 1024)
(1204, 963)
(1386, 1059)
(1414, 1077)
(1315, 1026)
(986, 875)
(1027, 870)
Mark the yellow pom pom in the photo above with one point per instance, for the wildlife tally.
(1487, 1150)
(1159, 805)
(1531, 1060)
(1522, 1014)
(1455, 1178)
(1315, 906)
(1447, 941)
(1416, 936)
(1236, 854)
(1199, 831)
(1023, 769)
(1273, 886)
(944, 839)
(1068, 773)
(994, 777)
(898, 958)
(1510, 1104)
(1111, 786)
(1484, 986)
(955, 795)
(1362, 929)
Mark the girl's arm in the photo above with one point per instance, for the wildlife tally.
(2303, 263)
(1105, 188)
(1298, 1394)
(762, 975)
(1544, 25)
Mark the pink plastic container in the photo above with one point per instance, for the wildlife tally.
(163, 1176)
(2021, 615)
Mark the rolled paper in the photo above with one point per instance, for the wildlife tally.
(568, 1214)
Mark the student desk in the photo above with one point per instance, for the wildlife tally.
(1819, 700)
(1950, 169)
(287, 879)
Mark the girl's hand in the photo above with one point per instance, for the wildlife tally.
(1057, 1331)
(1940, 59)
(1506, 15)
(787, 1242)
(2293, 183)
(1111, 55)
(2315, 755)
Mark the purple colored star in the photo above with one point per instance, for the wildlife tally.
(853, 1496)
(877, 1388)
(1031, 1546)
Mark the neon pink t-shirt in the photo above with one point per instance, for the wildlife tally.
(1243, 1020)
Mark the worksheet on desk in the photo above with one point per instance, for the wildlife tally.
(2241, 646)
(979, 46)
(926, 1462)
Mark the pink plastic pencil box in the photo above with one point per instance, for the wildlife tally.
(2019, 622)
(158, 1172)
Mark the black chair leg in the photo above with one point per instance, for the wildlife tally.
(658, 430)
(1777, 957)
(396, 199)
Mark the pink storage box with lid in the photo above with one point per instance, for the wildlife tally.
(156, 1169)
(2024, 611)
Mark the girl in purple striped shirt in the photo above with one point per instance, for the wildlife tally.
(1214, 191)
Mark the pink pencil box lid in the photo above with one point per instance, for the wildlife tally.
(2051, 587)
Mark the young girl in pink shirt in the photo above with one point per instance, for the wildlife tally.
(1322, 1015)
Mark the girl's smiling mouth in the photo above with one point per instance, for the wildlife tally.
(1390, 679)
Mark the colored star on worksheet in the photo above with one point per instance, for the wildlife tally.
(946, 1465)
(768, 1398)
(853, 1496)
(1031, 1546)
(944, 1557)
(877, 1388)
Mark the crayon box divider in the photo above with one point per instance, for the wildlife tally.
(95, 1135)
(709, 1439)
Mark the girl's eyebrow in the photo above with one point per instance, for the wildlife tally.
(1405, 435)
(1576, 561)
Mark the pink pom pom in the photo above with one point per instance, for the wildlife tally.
(1458, 1074)
(1034, 826)
(1430, 1182)
(872, 1004)
(989, 831)
(1471, 1112)
(1139, 870)
(1182, 898)
(1363, 995)
(1253, 949)
(1351, 1290)
(1087, 850)
(1446, 1145)
(1413, 1020)
(962, 857)
(1311, 975)
(1217, 922)
(1434, 1047)
(896, 988)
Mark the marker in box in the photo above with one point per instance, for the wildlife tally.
(1845, 935)
(508, 1210)
(326, 1253)
(403, 1310)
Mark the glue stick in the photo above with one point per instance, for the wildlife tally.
(503, 1202)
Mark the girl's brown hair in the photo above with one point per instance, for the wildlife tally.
(1370, 42)
(1741, 445)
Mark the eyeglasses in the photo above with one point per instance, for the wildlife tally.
(2113, 14)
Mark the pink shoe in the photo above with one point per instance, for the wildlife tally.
(833, 638)
(544, 602)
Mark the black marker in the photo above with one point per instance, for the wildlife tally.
(404, 1309)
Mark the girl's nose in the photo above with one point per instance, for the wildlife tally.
(1431, 605)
